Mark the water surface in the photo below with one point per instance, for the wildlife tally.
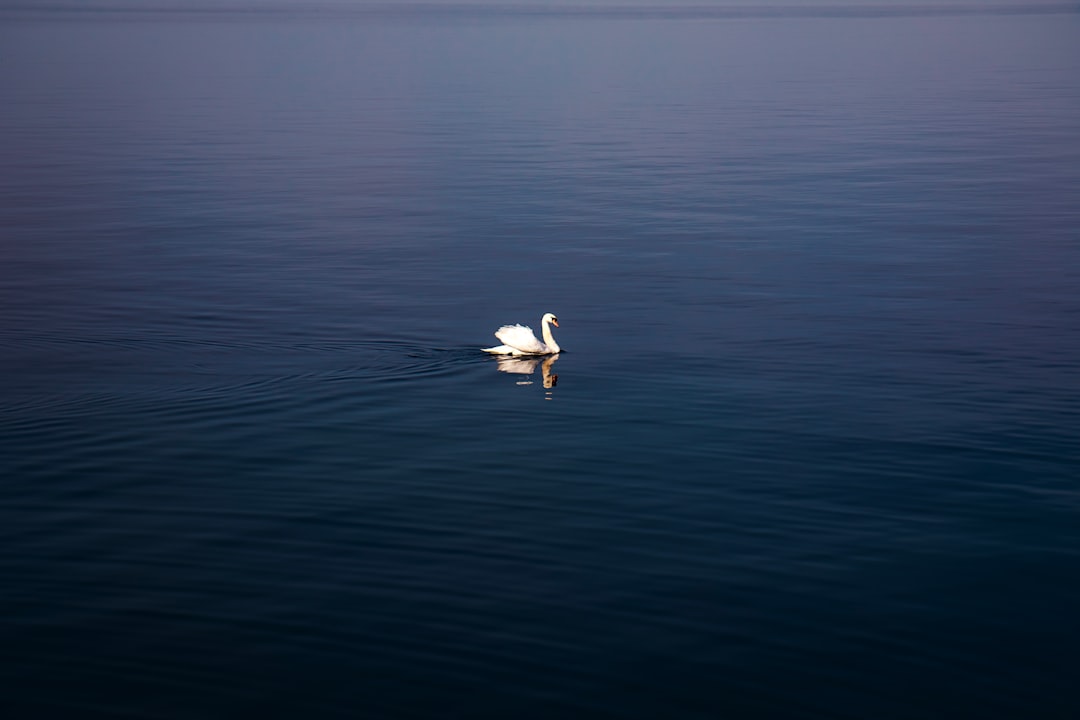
(811, 450)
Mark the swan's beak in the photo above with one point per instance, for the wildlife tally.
(554, 322)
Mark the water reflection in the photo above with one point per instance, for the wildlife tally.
(527, 366)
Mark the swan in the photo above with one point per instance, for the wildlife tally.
(519, 339)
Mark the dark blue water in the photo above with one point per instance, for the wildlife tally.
(811, 450)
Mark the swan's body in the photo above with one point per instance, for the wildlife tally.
(520, 340)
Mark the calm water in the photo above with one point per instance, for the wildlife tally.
(811, 452)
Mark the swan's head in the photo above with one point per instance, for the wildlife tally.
(550, 318)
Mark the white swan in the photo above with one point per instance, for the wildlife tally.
(519, 339)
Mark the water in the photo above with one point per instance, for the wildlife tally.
(811, 450)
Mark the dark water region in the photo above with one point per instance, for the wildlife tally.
(811, 449)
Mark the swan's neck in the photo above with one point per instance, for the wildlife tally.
(549, 340)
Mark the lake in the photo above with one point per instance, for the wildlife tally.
(812, 448)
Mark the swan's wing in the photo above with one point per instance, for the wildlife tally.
(520, 337)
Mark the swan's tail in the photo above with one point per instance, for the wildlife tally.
(502, 350)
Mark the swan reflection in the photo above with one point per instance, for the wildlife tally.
(520, 365)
